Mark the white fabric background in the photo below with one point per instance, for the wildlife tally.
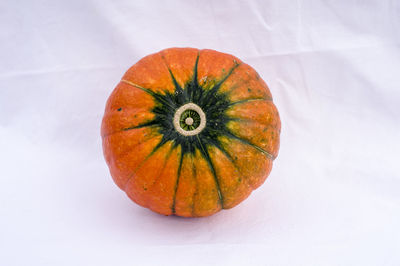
(332, 197)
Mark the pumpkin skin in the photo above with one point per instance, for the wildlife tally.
(214, 168)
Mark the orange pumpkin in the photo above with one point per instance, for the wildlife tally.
(189, 132)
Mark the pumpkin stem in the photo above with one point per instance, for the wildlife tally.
(189, 119)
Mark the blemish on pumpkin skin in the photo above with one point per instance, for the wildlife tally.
(119, 109)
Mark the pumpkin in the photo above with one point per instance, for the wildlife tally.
(189, 132)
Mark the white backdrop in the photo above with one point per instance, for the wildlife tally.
(332, 197)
